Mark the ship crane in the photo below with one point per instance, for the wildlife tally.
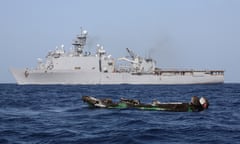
(134, 58)
(131, 53)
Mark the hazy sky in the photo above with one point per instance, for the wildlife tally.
(203, 34)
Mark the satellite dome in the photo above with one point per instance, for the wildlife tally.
(85, 32)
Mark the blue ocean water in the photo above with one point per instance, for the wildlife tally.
(56, 114)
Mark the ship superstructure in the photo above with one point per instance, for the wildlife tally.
(82, 67)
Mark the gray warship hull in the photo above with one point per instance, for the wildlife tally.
(67, 77)
(81, 67)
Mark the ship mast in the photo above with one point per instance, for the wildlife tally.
(80, 42)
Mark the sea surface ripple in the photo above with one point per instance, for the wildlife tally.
(55, 114)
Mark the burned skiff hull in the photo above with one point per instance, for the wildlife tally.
(135, 104)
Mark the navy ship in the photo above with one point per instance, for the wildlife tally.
(82, 67)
